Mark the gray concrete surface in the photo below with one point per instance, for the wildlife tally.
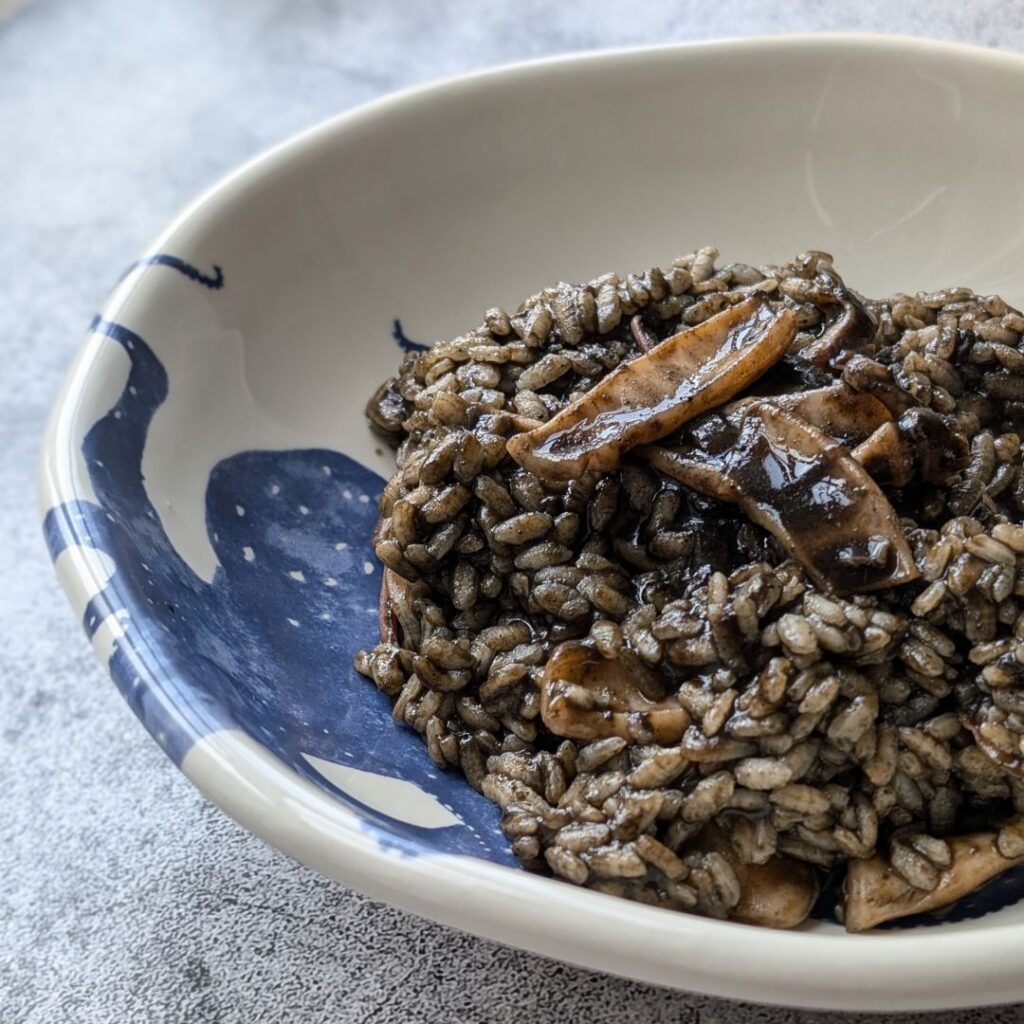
(124, 896)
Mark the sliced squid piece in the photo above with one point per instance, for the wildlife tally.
(805, 489)
(585, 696)
(849, 327)
(852, 331)
(940, 448)
(921, 442)
(777, 894)
(874, 892)
(886, 456)
(656, 393)
(847, 415)
(643, 338)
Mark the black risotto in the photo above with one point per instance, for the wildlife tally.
(712, 578)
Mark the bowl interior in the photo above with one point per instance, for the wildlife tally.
(218, 468)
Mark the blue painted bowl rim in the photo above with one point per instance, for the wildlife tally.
(932, 968)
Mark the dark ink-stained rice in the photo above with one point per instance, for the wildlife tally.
(824, 729)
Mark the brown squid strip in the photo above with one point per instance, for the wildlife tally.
(806, 490)
(886, 456)
(651, 396)
(849, 326)
(585, 696)
(851, 331)
(874, 892)
(839, 411)
(921, 442)
(642, 336)
(777, 894)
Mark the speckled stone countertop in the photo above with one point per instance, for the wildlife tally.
(125, 896)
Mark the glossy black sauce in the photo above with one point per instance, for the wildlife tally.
(807, 491)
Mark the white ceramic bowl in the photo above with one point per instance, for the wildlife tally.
(208, 480)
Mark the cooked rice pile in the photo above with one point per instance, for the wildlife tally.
(824, 731)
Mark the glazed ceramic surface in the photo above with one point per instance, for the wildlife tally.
(209, 484)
